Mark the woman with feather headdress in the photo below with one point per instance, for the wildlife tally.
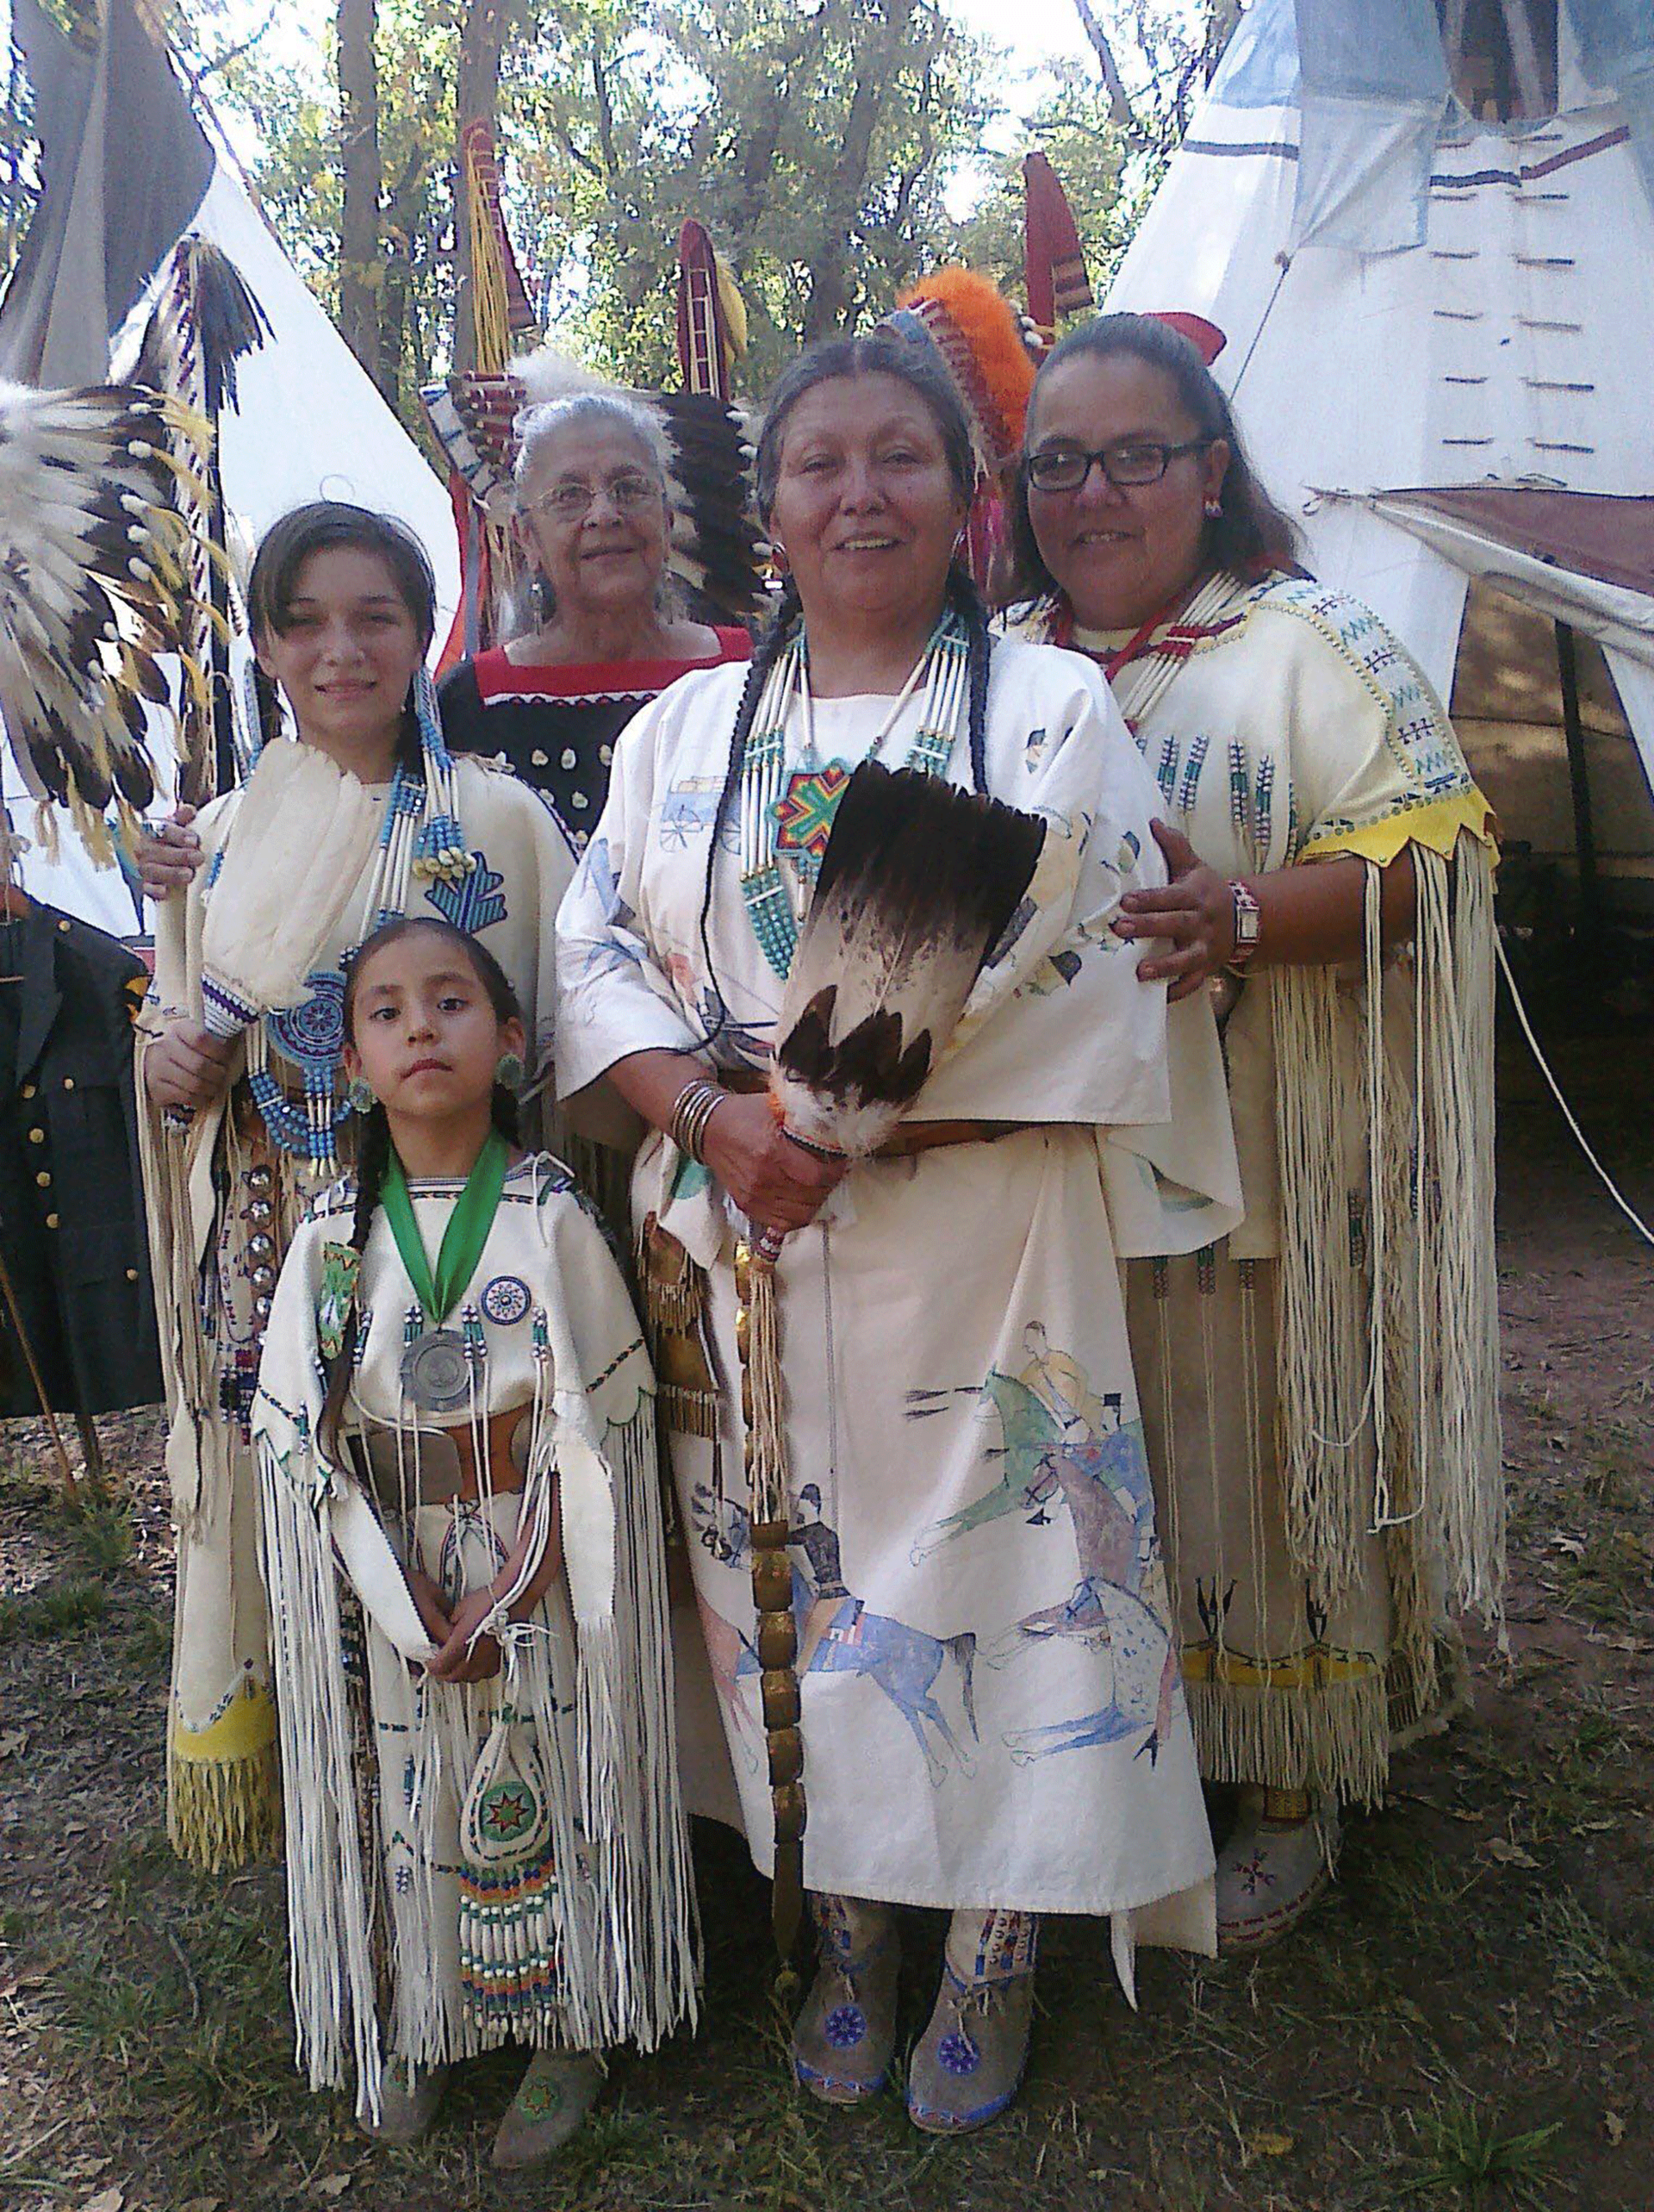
(595, 624)
(366, 816)
(950, 1631)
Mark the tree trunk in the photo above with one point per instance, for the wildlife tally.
(360, 264)
(482, 34)
(1119, 101)
(1221, 27)
(828, 308)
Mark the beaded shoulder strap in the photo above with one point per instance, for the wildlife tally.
(778, 813)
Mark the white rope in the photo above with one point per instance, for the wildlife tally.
(1544, 1065)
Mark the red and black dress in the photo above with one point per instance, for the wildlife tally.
(555, 727)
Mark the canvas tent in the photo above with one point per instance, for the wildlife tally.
(1426, 227)
(128, 168)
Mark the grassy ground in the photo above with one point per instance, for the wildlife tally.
(1469, 2020)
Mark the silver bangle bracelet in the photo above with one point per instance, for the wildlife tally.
(692, 1110)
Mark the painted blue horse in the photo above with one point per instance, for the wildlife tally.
(838, 1635)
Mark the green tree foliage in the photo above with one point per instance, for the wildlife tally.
(822, 142)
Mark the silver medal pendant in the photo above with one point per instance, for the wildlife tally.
(436, 1374)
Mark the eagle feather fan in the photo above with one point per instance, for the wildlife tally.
(919, 884)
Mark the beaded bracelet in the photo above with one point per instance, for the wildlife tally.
(694, 1106)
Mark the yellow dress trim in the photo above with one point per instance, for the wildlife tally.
(1306, 1670)
(244, 1728)
(1436, 825)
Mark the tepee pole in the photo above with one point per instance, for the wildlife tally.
(1579, 781)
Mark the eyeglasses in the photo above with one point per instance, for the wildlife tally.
(565, 501)
(1139, 462)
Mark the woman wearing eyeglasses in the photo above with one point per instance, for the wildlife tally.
(591, 510)
(1320, 1388)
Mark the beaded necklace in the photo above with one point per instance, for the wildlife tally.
(789, 815)
(419, 838)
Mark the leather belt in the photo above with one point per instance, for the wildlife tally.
(912, 1136)
(447, 1467)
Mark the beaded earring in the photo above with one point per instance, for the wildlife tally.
(510, 1071)
(360, 1096)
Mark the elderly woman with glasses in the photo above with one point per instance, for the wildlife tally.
(602, 636)
(592, 516)
(1321, 1386)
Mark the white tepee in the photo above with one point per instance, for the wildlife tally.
(1426, 232)
(309, 423)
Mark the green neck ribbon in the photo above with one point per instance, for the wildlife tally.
(461, 1240)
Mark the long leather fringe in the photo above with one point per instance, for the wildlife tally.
(1406, 1338)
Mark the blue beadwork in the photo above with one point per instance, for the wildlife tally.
(312, 1034)
(769, 907)
(958, 2055)
(845, 2026)
(473, 901)
(1192, 766)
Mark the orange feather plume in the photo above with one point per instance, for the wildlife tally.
(977, 331)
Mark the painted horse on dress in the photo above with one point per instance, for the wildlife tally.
(1063, 1444)
(837, 1635)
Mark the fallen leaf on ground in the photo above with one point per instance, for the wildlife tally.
(202, 2204)
(335, 2185)
(14, 1739)
(106, 2200)
(1509, 1854)
(266, 2136)
(1269, 2144)
(1613, 2128)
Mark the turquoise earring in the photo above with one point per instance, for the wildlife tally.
(510, 1071)
(359, 1096)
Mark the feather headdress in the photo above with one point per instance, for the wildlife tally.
(205, 321)
(717, 551)
(1053, 261)
(919, 884)
(95, 584)
(977, 333)
(313, 827)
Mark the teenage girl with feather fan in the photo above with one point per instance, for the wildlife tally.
(359, 815)
(462, 1543)
(986, 1712)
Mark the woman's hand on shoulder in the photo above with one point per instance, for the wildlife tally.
(1195, 912)
(776, 1182)
(187, 1067)
(168, 855)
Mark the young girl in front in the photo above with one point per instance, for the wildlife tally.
(462, 1546)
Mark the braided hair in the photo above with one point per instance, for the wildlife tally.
(373, 1146)
(879, 355)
